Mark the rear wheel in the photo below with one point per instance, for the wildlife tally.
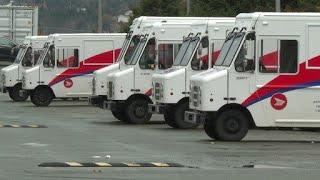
(41, 97)
(169, 118)
(231, 125)
(15, 95)
(137, 111)
(209, 127)
(179, 114)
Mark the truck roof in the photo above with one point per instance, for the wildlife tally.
(286, 15)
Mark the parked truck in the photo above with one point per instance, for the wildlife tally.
(198, 53)
(100, 80)
(267, 75)
(65, 68)
(11, 76)
(129, 89)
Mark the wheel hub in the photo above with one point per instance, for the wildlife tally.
(140, 111)
(232, 125)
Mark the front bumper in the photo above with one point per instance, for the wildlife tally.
(157, 108)
(195, 117)
(96, 101)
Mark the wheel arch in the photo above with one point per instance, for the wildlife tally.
(243, 109)
(45, 87)
(139, 96)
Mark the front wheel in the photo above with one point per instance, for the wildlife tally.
(231, 125)
(179, 114)
(15, 95)
(137, 111)
(120, 114)
(41, 97)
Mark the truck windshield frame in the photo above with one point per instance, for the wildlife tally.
(44, 53)
(186, 51)
(20, 54)
(230, 49)
(125, 46)
(130, 50)
(138, 50)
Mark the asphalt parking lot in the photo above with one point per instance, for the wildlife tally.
(76, 132)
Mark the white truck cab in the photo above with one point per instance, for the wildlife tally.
(266, 75)
(198, 53)
(27, 57)
(129, 89)
(65, 68)
(99, 83)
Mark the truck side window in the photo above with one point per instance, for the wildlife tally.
(147, 60)
(27, 59)
(246, 55)
(278, 56)
(67, 58)
(288, 56)
(36, 55)
(166, 55)
(200, 60)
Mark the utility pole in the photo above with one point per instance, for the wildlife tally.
(188, 6)
(278, 5)
(100, 16)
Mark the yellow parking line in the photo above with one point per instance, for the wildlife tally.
(132, 164)
(103, 164)
(15, 125)
(74, 164)
(161, 164)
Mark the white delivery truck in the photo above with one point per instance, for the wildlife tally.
(28, 55)
(99, 83)
(198, 53)
(17, 22)
(65, 67)
(267, 75)
(129, 89)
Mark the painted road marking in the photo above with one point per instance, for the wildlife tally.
(22, 126)
(107, 164)
(74, 164)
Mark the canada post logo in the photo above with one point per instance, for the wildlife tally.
(68, 83)
(279, 101)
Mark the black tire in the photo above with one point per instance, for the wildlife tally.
(41, 97)
(231, 125)
(137, 111)
(179, 112)
(14, 94)
(209, 129)
(120, 115)
(169, 118)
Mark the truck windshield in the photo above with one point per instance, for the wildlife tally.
(131, 47)
(20, 54)
(229, 49)
(137, 51)
(186, 51)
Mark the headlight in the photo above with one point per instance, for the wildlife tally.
(158, 91)
(195, 96)
(3, 78)
(23, 80)
(110, 89)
